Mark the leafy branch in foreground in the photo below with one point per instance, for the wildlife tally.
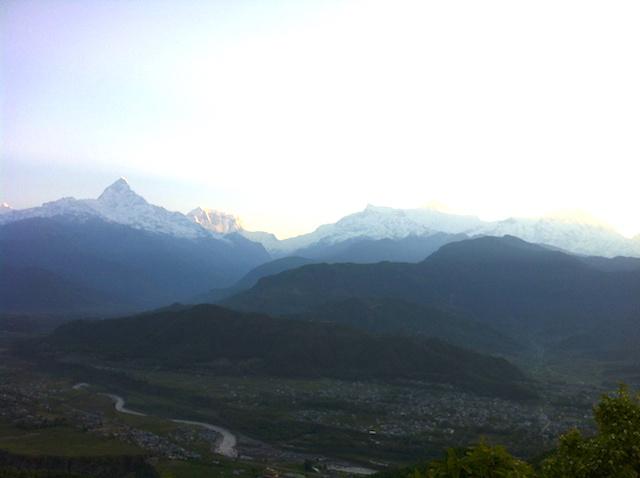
(613, 452)
(480, 461)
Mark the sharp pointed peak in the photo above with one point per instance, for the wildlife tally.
(373, 207)
(200, 210)
(120, 183)
(119, 189)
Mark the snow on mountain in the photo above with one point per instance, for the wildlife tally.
(575, 233)
(215, 221)
(579, 237)
(66, 206)
(225, 223)
(120, 204)
(378, 223)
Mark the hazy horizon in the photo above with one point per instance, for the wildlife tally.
(453, 288)
(291, 115)
(578, 216)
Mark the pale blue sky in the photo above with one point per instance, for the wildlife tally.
(291, 114)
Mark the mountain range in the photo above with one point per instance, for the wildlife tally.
(117, 204)
(113, 254)
(418, 290)
(372, 235)
(119, 253)
(583, 236)
(523, 290)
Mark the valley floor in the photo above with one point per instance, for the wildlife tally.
(283, 426)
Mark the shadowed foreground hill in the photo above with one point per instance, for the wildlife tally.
(398, 317)
(228, 342)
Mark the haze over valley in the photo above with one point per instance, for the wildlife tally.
(348, 238)
(416, 305)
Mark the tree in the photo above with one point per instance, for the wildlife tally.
(614, 451)
(479, 461)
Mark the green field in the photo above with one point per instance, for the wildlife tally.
(60, 441)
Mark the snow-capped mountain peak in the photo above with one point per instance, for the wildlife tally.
(120, 204)
(572, 231)
(120, 194)
(577, 216)
(121, 184)
(574, 235)
(215, 221)
(377, 222)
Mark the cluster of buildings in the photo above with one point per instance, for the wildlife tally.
(438, 412)
(29, 407)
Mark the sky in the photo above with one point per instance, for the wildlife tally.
(291, 114)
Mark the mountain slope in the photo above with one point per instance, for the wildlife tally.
(211, 337)
(296, 290)
(364, 250)
(512, 282)
(613, 264)
(35, 291)
(114, 253)
(397, 317)
(504, 282)
(129, 266)
(251, 278)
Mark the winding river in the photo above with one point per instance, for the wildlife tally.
(225, 445)
(118, 401)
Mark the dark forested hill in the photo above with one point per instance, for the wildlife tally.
(208, 336)
(251, 278)
(505, 282)
(398, 317)
(613, 264)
